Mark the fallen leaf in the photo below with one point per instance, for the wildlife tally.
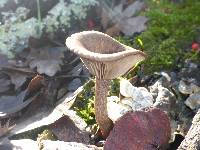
(74, 84)
(47, 116)
(46, 60)
(18, 79)
(123, 19)
(114, 30)
(104, 19)
(132, 9)
(3, 60)
(12, 104)
(133, 25)
(66, 130)
(76, 70)
(18, 76)
(4, 83)
(35, 84)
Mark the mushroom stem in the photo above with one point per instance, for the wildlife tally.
(100, 106)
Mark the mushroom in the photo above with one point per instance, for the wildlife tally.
(107, 59)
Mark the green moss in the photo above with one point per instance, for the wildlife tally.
(171, 29)
(84, 105)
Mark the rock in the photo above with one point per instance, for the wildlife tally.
(27, 144)
(193, 101)
(126, 88)
(145, 129)
(115, 109)
(188, 87)
(74, 84)
(60, 145)
(137, 98)
(163, 81)
(165, 100)
(190, 73)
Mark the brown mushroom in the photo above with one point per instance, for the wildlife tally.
(107, 59)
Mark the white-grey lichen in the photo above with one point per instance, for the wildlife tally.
(3, 2)
(14, 38)
(60, 15)
(16, 30)
(15, 17)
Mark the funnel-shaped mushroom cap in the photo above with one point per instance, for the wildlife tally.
(103, 56)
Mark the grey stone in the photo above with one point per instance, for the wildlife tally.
(163, 81)
(25, 144)
(60, 145)
(28, 144)
(188, 87)
(138, 97)
(193, 101)
(165, 100)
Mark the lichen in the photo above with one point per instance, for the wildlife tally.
(16, 30)
(15, 17)
(60, 15)
(3, 2)
(14, 37)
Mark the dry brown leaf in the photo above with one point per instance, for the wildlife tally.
(46, 60)
(35, 84)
